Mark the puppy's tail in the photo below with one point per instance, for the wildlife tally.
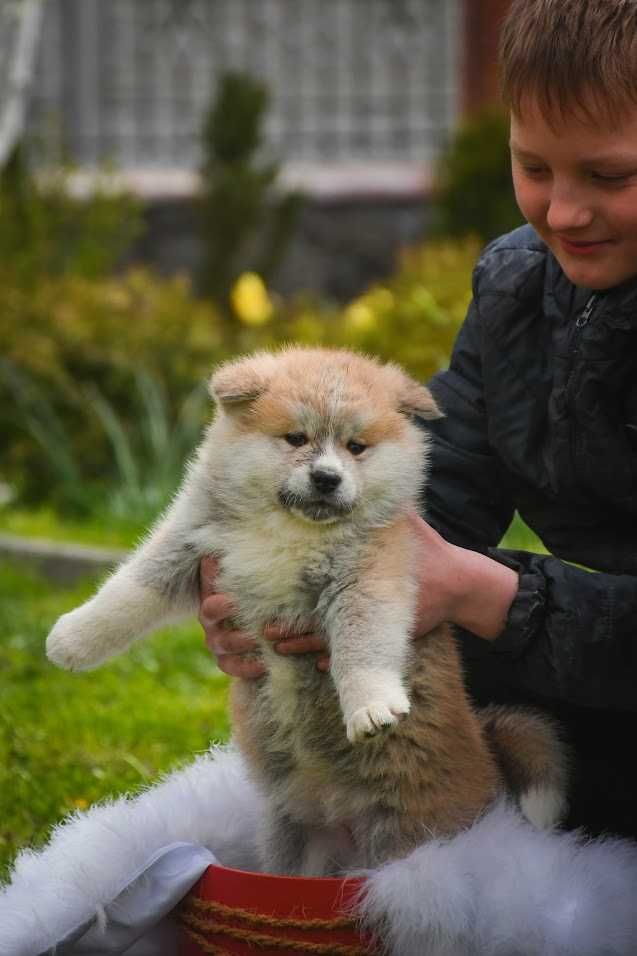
(533, 761)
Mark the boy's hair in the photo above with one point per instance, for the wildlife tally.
(570, 56)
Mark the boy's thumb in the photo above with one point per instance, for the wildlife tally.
(208, 571)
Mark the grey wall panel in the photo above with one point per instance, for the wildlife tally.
(351, 80)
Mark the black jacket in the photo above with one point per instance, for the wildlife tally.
(541, 416)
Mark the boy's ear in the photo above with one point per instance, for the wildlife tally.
(244, 380)
(416, 399)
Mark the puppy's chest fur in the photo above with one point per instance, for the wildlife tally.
(280, 573)
(290, 723)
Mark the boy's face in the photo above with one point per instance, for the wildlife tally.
(576, 183)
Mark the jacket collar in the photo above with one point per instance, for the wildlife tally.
(617, 307)
(568, 298)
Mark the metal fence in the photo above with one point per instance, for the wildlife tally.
(350, 80)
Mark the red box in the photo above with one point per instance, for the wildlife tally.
(236, 912)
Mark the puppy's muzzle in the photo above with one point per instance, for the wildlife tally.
(325, 480)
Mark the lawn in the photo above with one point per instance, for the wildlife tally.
(66, 739)
(44, 523)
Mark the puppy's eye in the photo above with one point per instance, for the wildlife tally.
(356, 447)
(296, 439)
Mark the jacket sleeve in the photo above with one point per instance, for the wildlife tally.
(466, 496)
(571, 634)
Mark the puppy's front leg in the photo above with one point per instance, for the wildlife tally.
(156, 585)
(369, 622)
(369, 643)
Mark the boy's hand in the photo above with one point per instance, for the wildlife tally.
(286, 643)
(215, 616)
(460, 586)
(231, 645)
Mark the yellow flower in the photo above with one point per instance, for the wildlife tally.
(250, 300)
(359, 316)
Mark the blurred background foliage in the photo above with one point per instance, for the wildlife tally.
(103, 370)
(75, 348)
(474, 194)
(45, 231)
(102, 380)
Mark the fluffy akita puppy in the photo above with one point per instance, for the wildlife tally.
(301, 488)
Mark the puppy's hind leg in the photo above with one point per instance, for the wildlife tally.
(293, 848)
(157, 584)
(533, 761)
(283, 843)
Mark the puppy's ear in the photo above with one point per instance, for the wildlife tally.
(244, 380)
(415, 399)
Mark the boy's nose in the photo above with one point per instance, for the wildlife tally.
(567, 210)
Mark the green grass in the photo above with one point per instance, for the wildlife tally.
(67, 740)
(45, 523)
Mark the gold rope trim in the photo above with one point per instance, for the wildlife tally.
(205, 946)
(261, 940)
(220, 909)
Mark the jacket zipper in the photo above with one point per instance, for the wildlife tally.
(581, 322)
(584, 317)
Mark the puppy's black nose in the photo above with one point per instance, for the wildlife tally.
(325, 480)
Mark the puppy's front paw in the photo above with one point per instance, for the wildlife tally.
(73, 643)
(368, 720)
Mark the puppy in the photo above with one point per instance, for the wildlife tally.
(301, 488)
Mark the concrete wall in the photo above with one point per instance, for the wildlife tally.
(339, 248)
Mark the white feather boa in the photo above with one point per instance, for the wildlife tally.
(498, 889)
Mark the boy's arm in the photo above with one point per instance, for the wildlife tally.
(570, 634)
(466, 497)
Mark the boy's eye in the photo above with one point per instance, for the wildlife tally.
(606, 178)
(356, 447)
(296, 439)
(534, 170)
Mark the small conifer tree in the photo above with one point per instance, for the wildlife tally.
(245, 224)
(474, 194)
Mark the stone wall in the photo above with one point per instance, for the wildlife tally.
(340, 245)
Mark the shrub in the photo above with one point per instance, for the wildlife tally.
(68, 335)
(474, 194)
(44, 230)
(150, 452)
(96, 387)
(413, 318)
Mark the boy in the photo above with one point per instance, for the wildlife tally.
(541, 414)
